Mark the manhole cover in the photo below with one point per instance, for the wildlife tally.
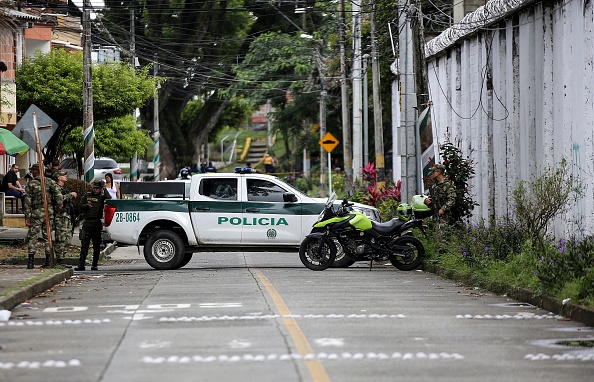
(514, 305)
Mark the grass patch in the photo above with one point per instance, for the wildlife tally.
(44, 274)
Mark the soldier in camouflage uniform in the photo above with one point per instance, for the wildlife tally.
(35, 213)
(443, 194)
(63, 222)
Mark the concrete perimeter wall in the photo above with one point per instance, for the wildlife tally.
(512, 86)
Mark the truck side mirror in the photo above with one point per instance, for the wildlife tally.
(289, 198)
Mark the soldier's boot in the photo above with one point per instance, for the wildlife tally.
(31, 261)
(47, 261)
(95, 261)
(62, 263)
(81, 263)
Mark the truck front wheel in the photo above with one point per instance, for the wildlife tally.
(164, 250)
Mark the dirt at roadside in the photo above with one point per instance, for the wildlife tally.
(19, 249)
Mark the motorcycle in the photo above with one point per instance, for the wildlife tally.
(360, 239)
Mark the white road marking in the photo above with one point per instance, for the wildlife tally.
(306, 357)
(155, 344)
(235, 344)
(221, 305)
(141, 311)
(169, 306)
(37, 365)
(329, 341)
(125, 307)
(56, 322)
(274, 316)
(519, 316)
(60, 309)
(137, 317)
(560, 357)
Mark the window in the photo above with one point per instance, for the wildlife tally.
(260, 190)
(105, 163)
(219, 188)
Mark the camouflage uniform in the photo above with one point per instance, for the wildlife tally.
(35, 214)
(444, 196)
(63, 222)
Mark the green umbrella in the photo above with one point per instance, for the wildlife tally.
(10, 144)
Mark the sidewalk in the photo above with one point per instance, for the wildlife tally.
(18, 284)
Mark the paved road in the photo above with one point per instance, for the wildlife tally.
(264, 317)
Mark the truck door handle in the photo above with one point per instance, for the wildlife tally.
(252, 210)
(201, 208)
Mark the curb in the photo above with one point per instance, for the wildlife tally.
(109, 248)
(18, 297)
(577, 313)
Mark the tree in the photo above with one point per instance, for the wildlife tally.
(195, 43)
(53, 82)
(277, 68)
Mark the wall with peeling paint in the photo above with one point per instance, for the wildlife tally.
(513, 87)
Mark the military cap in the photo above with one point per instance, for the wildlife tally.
(34, 166)
(97, 184)
(438, 166)
(59, 173)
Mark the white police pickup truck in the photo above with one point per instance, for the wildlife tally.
(213, 212)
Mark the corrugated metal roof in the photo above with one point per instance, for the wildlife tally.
(18, 14)
(67, 44)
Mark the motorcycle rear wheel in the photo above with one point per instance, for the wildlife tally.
(312, 258)
(412, 257)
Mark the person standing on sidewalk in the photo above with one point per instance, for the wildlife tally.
(92, 206)
(35, 213)
(63, 221)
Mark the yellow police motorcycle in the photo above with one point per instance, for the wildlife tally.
(360, 239)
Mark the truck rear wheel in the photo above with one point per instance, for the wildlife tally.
(164, 250)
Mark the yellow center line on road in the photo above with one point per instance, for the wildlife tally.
(315, 367)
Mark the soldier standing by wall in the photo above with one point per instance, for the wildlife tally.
(35, 213)
(63, 219)
(92, 206)
(443, 193)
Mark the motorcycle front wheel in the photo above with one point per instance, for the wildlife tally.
(408, 253)
(311, 256)
(342, 260)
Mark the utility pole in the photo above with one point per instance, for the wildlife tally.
(406, 136)
(421, 87)
(365, 109)
(357, 79)
(88, 130)
(323, 153)
(418, 46)
(156, 134)
(134, 160)
(377, 105)
(346, 128)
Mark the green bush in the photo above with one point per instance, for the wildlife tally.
(459, 171)
(540, 201)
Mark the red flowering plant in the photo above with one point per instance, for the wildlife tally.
(375, 196)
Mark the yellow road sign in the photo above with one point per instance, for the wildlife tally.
(329, 142)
